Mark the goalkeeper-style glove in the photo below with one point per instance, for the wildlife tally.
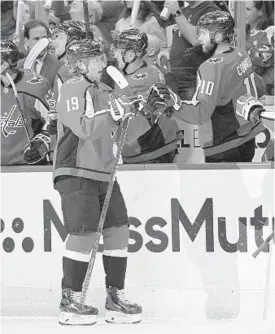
(38, 149)
(249, 108)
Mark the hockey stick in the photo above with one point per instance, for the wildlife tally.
(263, 245)
(117, 77)
(19, 15)
(134, 13)
(19, 106)
(89, 33)
(267, 282)
(268, 119)
(34, 53)
(19, 35)
(122, 83)
(121, 141)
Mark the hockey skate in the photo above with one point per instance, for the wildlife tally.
(119, 310)
(74, 313)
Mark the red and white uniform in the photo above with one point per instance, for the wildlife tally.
(36, 99)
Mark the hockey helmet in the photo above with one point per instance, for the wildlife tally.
(73, 29)
(132, 39)
(84, 48)
(9, 52)
(217, 21)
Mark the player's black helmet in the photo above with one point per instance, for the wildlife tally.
(84, 48)
(132, 39)
(73, 29)
(9, 52)
(218, 21)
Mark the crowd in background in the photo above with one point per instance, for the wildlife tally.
(173, 46)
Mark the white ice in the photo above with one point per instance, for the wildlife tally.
(42, 325)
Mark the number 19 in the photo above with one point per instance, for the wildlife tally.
(72, 104)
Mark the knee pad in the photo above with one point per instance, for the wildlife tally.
(115, 241)
(79, 247)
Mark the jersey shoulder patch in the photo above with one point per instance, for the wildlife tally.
(34, 79)
(33, 84)
(75, 79)
(214, 60)
(140, 76)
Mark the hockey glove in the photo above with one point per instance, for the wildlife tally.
(154, 106)
(116, 110)
(52, 127)
(164, 93)
(38, 149)
(133, 104)
(249, 108)
(52, 123)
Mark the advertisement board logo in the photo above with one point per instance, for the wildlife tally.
(155, 228)
(162, 234)
(9, 243)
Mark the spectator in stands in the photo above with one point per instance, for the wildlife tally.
(23, 140)
(18, 37)
(62, 9)
(146, 21)
(77, 11)
(111, 11)
(95, 15)
(260, 40)
(46, 64)
(7, 20)
(186, 54)
(26, 12)
(153, 50)
(53, 20)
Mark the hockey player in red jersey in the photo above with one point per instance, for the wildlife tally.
(260, 48)
(35, 97)
(62, 35)
(82, 168)
(151, 138)
(224, 136)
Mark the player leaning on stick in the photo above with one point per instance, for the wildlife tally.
(23, 143)
(82, 167)
(223, 135)
(151, 137)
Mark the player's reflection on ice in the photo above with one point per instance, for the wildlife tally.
(50, 325)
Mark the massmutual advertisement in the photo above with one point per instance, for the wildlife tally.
(190, 230)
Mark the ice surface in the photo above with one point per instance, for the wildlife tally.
(32, 325)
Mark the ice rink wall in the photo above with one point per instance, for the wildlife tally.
(193, 230)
